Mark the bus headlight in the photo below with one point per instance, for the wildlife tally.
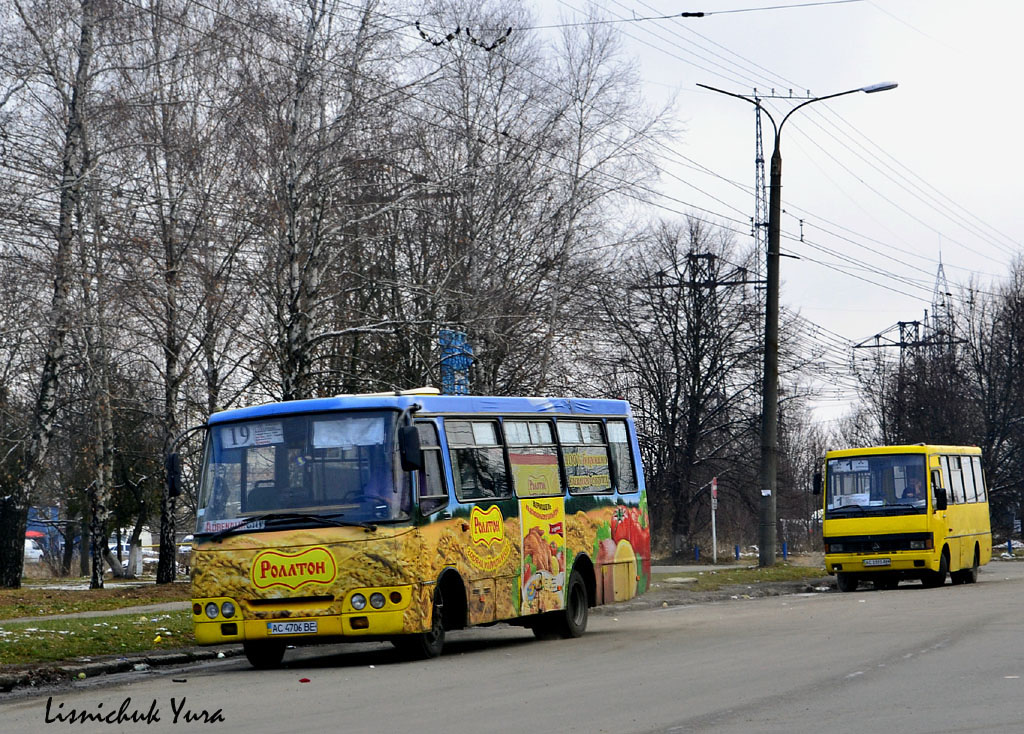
(227, 609)
(834, 548)
(921, 544)
(358, 602)
(211, 610)
(377, 600)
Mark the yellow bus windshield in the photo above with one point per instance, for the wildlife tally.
(887, 484)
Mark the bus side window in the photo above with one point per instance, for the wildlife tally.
(946, 482)
(979, 479)
(533, 458)
(967, 474)
(433, 492)
(956, 488)
(585, 457)
(623, 469)
(478, 460)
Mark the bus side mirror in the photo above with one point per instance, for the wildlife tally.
(940, 499)
(409, 448)
(817, 483)
(173, 467)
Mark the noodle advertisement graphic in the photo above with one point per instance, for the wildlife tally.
(489, 548)
(543, 524)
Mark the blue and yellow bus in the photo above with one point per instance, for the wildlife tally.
(403, 516)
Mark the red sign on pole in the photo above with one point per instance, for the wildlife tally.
(714, 487)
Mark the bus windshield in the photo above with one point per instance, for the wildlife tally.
(337, 465)
(883, 484)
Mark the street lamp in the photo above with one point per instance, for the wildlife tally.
(770, 391)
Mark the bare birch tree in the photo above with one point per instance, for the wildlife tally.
(64, 77)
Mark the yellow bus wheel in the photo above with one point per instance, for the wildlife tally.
(264, 654)
(934, 580)
(429, 644)
(966, 575)
(846, 582)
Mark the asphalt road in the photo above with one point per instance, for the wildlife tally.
(908, 660)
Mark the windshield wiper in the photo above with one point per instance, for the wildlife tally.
(327, 519)
(270, 517)
(850, 507)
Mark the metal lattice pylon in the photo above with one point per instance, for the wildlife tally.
(942, 310)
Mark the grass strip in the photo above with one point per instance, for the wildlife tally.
(26, 643)
(716, 578)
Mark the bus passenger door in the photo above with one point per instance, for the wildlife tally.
(951, 532)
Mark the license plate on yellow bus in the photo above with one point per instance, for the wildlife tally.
(877, 562)
(291, 628)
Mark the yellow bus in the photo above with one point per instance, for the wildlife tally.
(399, 517)
(905, 512)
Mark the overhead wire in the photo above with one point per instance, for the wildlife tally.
(689, 28)
(696, 165)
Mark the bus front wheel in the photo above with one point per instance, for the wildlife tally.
(935, 579)
(846, 582)
(264, 654)
(886, 582)
(429, 644)
(967, 575)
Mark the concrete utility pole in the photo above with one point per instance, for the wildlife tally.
(770, 392)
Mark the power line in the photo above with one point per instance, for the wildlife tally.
(686, 14)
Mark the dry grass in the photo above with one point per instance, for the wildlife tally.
(715, 578)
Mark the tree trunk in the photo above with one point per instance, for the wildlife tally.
(68, 554)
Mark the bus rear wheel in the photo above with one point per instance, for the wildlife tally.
(572, 621)
(568, 622)
(264, 654)
(846, 582)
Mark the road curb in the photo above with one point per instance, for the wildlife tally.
(64, 671)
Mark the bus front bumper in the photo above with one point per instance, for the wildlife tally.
(906, 563)
(356, 626)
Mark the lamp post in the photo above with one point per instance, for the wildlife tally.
(770, 391)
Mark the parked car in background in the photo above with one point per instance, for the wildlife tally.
(32, 550)
(184, 560)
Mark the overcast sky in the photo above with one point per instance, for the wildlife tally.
(882, 182)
